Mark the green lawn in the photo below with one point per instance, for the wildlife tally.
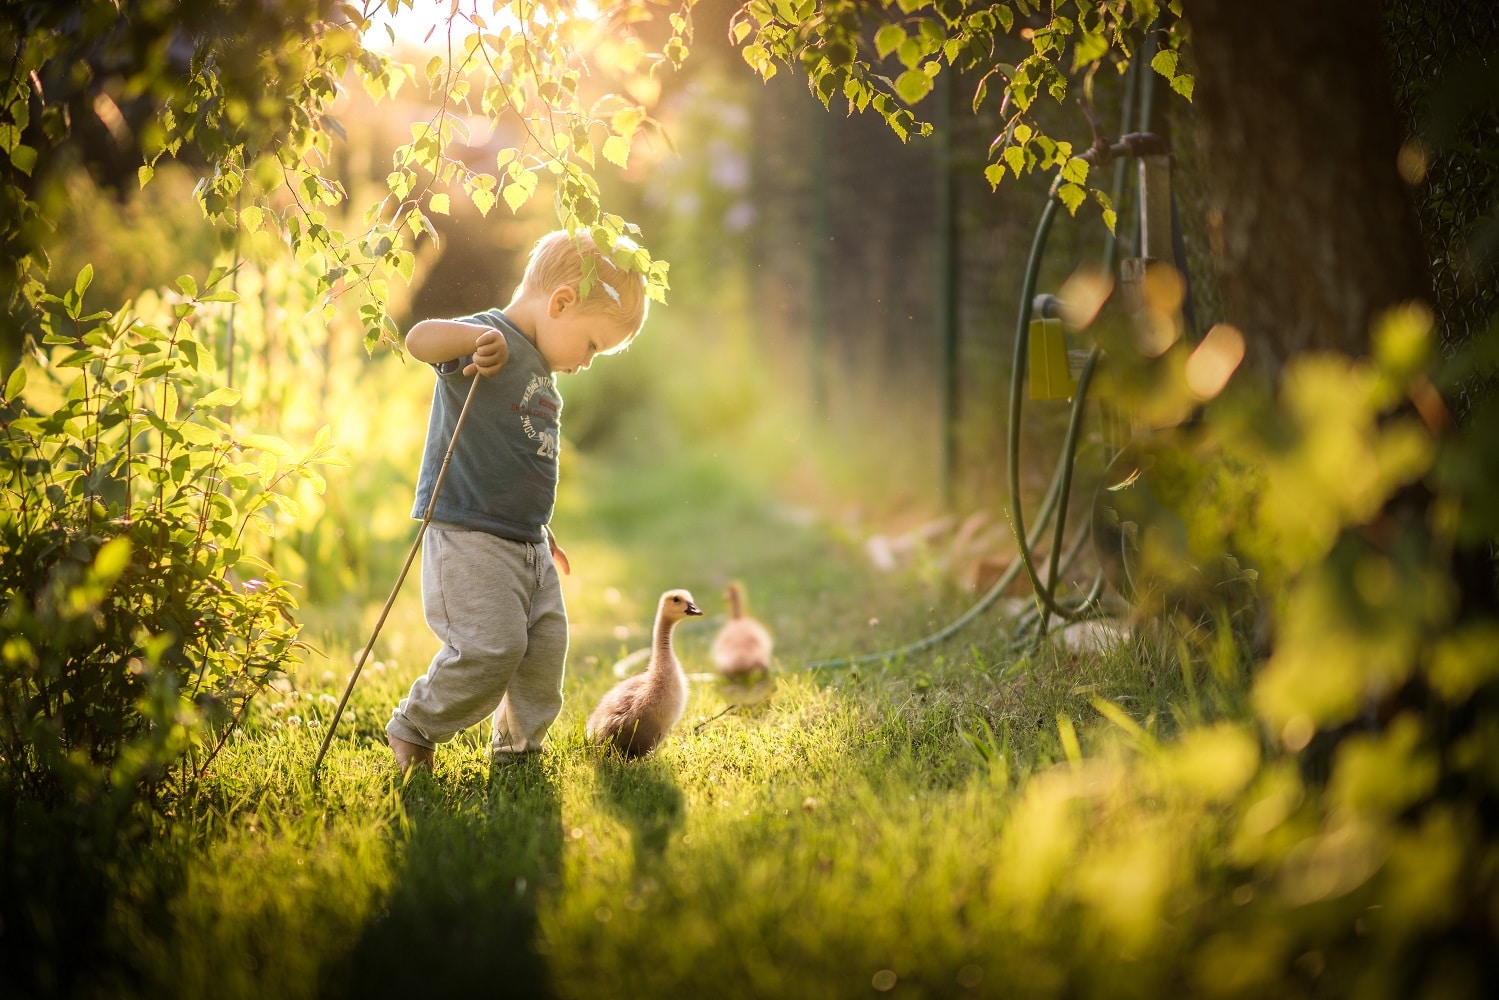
(840, 840)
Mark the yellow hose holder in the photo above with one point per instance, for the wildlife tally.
(1050, 377)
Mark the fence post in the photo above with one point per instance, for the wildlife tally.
(947, 290)
(820, 251)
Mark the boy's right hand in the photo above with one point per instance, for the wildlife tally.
(490, 354)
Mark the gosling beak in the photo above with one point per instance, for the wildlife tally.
(693, 609)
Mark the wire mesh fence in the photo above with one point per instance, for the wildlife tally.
(890, 272)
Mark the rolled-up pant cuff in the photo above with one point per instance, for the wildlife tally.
(401, 731)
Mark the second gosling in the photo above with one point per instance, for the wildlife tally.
(741, 653)
(640, 710)
(743, 645)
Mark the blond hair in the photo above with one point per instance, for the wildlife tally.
(557, 261)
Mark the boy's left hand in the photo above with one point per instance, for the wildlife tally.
(558, 556)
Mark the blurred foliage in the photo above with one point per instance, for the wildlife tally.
(1343, 839)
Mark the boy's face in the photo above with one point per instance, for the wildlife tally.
(570, 336)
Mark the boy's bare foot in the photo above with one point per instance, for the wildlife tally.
(409, 755)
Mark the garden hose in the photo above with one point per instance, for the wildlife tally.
(1074, 424)
(1027, 632)
(1074, 428)
(400, 579)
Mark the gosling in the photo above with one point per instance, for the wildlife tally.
(640, 710)
(741, 653)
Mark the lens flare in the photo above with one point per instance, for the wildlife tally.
(1214, 361)
(1083, 295)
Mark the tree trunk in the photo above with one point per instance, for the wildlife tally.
(1313, 230)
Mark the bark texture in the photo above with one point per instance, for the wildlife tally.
(1313, 230)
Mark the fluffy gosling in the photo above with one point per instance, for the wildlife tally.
(741, 653)
(640, 710)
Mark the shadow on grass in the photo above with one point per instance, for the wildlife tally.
(71, 878)
(463, 913)
(643, 795)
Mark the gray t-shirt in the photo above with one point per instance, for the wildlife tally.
(502, 478)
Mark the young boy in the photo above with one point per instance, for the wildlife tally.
(490, 590)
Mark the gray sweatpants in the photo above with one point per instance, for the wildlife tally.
(496, 607)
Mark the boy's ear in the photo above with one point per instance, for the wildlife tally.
(564, 297)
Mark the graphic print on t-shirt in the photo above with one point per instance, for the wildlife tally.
(540, 420)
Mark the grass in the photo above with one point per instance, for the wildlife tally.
(841, 839)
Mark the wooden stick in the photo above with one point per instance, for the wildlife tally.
(389, 601)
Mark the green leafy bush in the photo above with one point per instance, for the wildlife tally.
(1342, 839)
(138, 624)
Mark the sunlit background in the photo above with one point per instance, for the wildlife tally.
(432, 25)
